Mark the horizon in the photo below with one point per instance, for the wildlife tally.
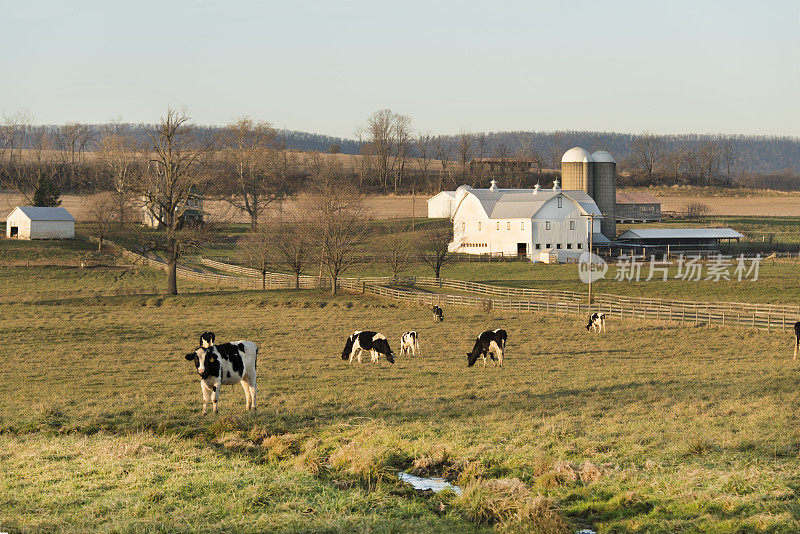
(717, 68)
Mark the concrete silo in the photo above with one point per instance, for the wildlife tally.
(605, 191)
(576, 171)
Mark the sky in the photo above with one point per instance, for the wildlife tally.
(730, 67)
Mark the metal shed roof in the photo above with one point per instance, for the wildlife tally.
(681, 233)
(44, 214)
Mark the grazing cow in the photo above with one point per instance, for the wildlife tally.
(491, 342)
(597, 322)
(409, 343)
(438, 314)
(373, 342)
(797, 338)
(207, 339)
(226, 364)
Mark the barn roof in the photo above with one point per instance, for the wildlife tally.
(636, 198)
(680, 233)
(451, 194)
(44, 214)
(524, 203)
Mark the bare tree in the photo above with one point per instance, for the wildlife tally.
(697, 210)
(708, 154)
(442, 149)
(167, 184)
(424, 148)
(336, 220)
(730, 162)
(647, 153)
(103, 217)
(117, 151)
(555, 151)
(433, 248)
(402, 144)
(293, 244)
(258, 165)
(398, 254)
(255, 251)
(381, 133)
(464, 151)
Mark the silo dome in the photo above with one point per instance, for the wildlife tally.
(601, 156)
(576, 155)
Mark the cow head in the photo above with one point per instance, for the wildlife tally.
(390, 357)
(207, 339)
(348, 347)
(477, 350)
(206, 360)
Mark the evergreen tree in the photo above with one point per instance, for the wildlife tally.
(47, 193)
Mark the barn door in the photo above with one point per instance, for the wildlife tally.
(522, 249)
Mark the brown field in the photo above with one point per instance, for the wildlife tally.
(392, 207)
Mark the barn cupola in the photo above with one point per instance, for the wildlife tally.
(493, 186)
(537, 188)
(556, 185)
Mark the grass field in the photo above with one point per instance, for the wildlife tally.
(651, 428)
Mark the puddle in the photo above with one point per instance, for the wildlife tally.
(424, 484)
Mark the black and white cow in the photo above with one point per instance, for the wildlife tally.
(597, 322)
(491, 342)
(373, 342)
(207, 339)
(226, 364)
(796, 338)
(438, 314)
(409, 343)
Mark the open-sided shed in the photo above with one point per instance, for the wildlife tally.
(679, 238)
(29, 222)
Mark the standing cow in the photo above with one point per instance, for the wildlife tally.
(373, 342)
(226, 364)
(438, 314)
(597, 322)
(491, 343)
(409, 344)
(796, 338)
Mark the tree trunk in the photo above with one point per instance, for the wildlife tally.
(172, 275)
(263, 280)
(297, 279)
(100, 243)
(253, 220)
(333, 284)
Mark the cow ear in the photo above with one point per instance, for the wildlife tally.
(191, 356)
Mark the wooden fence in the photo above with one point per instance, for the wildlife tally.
(761, 316)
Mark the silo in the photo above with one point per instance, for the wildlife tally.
(576, 171)
(605, 191)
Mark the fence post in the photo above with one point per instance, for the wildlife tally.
(769, 321)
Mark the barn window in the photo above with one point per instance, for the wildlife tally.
(498, 225)
(580, 245)
(559, 202)
(508, 225)
(569, 245)
(522, 225)
(547, 225)
(572, 225)
(549, 245)
(558, 245)
(538, 246)
(479, 227)
(463, 227)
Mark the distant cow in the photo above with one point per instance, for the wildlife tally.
(491, 342)
(796, 338)
(207, 339)
(409, 343)
(226, 364)
(597, 322)
(373, 342)
(438, 314)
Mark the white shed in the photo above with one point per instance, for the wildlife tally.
(524, 222)
(28, 222)
(442, 205)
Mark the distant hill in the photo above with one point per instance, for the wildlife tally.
(760, 154)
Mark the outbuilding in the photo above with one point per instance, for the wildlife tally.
(441, 205)
(29, 222)
(683, 239)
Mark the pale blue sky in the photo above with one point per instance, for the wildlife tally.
(625, 66)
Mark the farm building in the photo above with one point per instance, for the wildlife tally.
(440, 206)
(191, 213)
(596, 175)
(29, 222)
(679, 239)
(538, 223)
(637, 207)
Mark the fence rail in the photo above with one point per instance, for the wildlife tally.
(762, 316)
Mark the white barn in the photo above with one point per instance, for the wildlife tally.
(544, 224)
(441, 205)
(28, 222)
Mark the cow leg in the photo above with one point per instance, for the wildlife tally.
(500, 357)
(796, 346)
(215, 398)
(253, 390)
(374, 356)
(206, 396)
(246, 388)
(360, 351)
